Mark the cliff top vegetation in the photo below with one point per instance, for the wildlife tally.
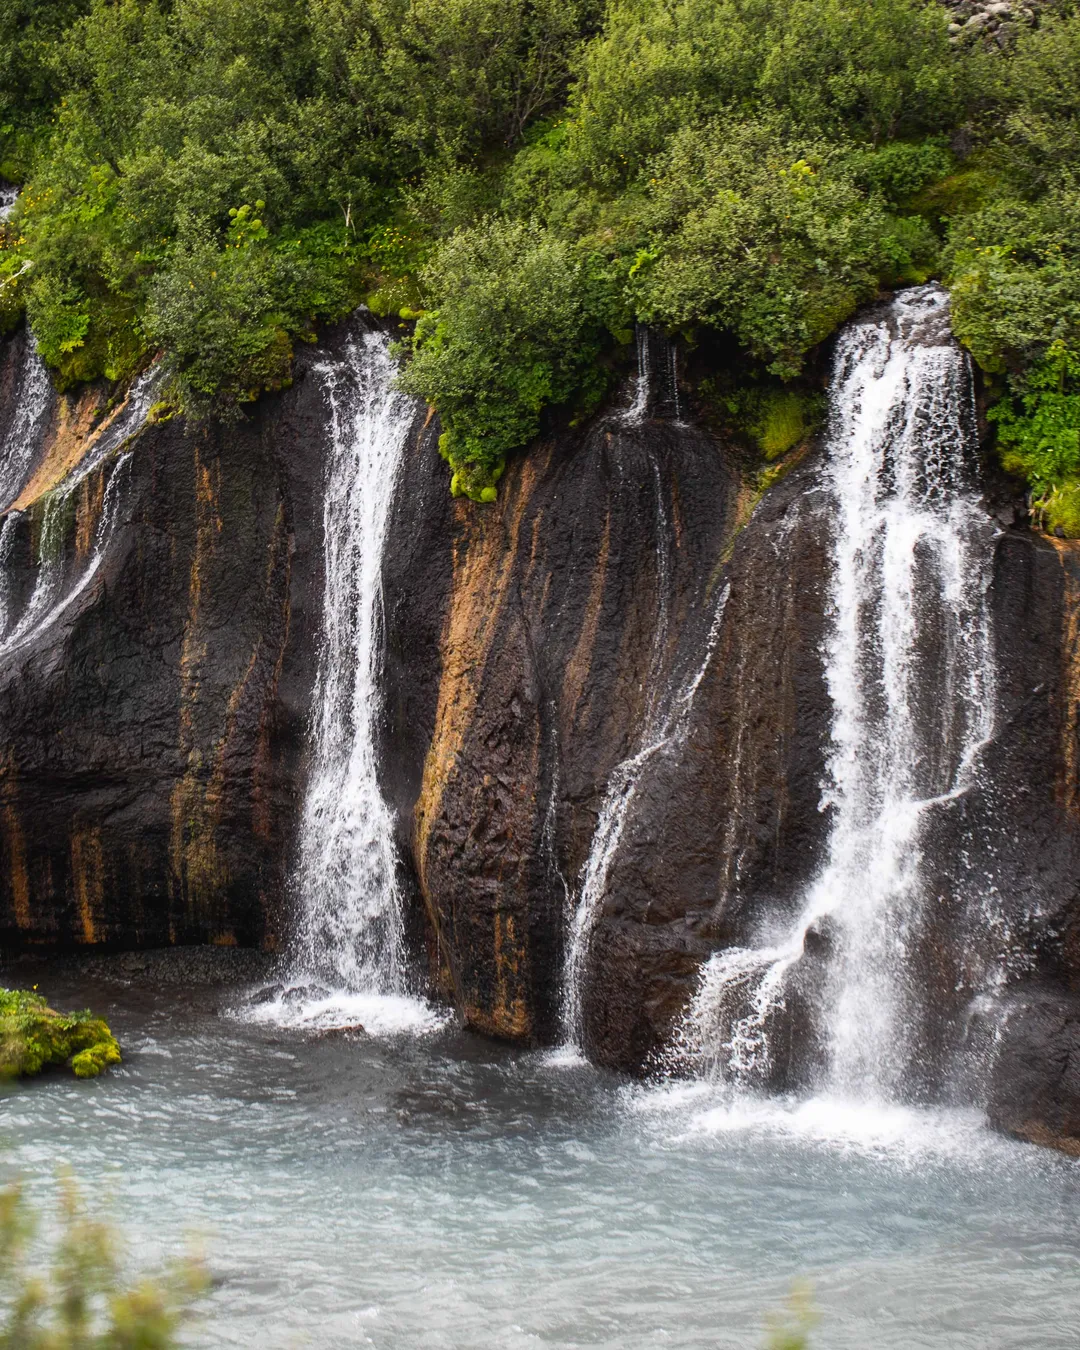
(522, 181)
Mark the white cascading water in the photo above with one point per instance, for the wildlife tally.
(348, 966)
(23, 435)
(909, 665)
(635, 415)
(666, 722)
(56, 586)
(657, 378)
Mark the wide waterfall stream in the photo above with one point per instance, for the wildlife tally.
(411, 1185)
(909, 665)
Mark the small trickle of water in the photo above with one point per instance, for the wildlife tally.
(656, 384)
(349, 964)
(909, 665)
(8, 197)
(635, 414)
(667, 723)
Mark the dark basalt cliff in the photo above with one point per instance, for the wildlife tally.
(152, 718)
(152, 733)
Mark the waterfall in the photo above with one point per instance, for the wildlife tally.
(639, 404)
(23, 435)
(57, 585)
(909, 667)
(8, 197)
(352, 926)
(656, 384)
(348, 963)
(666, 723)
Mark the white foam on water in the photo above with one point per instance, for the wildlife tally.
(299, 1007)
(903, 1135)
(563, 1057)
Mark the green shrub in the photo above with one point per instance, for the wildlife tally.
(1039, 435)
(529, 178)
(770, 238)
(511, 332)
(775, 418)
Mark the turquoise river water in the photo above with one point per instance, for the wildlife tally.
(440, 1192)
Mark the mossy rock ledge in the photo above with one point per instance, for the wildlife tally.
(34, 1036)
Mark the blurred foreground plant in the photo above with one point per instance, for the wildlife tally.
(83, 1302)
(790, 1329)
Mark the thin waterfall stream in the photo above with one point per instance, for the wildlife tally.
(910, 671)
(348, 964)
(666, 722)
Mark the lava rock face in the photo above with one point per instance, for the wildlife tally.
(152, 718)
(543, 609)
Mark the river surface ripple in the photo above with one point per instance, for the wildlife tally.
(448, 1193)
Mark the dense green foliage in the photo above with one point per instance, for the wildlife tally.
(34, 1036)
(83, 1303)
(527, 179)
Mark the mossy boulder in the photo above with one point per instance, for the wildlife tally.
(33, 1036)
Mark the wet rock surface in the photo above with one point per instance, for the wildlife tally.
(153, 721)
(545, 619)
(1035, 1092)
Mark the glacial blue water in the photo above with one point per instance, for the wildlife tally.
(439, 1191)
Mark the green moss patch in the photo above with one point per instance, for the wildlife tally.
(34, 1036)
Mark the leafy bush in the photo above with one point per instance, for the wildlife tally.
(775, 418)
(512, 332)
(1039, 432)
(34, 1036)
(531, 178)
(769, 238)
(152, 120)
